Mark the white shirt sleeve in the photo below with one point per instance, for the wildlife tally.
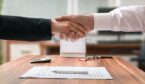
(130, 18)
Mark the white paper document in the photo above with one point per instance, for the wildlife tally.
(76, 47)
(67, 72)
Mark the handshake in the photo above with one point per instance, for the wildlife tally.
(72, 27)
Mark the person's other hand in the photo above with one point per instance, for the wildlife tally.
(87, 21)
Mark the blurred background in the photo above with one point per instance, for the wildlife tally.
(129, 45)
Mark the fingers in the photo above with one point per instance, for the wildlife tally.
(76, 37)
(78, 31)
(63, 18)
(71, 36)
(72, 32)
(79, 27)
(62, 35)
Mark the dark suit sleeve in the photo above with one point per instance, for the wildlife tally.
(22, 28)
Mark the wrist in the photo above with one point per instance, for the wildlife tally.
(102, 21)
(53, 27)
(91, 20)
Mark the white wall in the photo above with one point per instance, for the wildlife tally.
(90, 6)
(35, 8)
(20, 49)
(132, 2)
(54, 8)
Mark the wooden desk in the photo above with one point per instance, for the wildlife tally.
(121, 71)
(93, 49)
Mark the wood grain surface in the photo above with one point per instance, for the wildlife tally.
(121, 71)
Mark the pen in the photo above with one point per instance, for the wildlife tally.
(70, 72)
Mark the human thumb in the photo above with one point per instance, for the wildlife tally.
(63, 18)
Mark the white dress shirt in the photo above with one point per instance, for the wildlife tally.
(129, 18)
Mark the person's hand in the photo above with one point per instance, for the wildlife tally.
(67, 30)
(87, 21)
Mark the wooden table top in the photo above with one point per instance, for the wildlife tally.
(131, 45)
(120, 70)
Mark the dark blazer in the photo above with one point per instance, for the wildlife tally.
(22, 28)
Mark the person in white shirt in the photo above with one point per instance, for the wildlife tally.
(127, 19)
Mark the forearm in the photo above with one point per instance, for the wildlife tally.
(122, 19)
(21, 28)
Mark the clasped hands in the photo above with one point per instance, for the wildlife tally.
(72, 27)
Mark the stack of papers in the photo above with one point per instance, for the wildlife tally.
(67, 72)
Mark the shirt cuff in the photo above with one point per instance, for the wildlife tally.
(102, 21)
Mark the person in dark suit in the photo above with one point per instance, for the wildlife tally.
(29, 29)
